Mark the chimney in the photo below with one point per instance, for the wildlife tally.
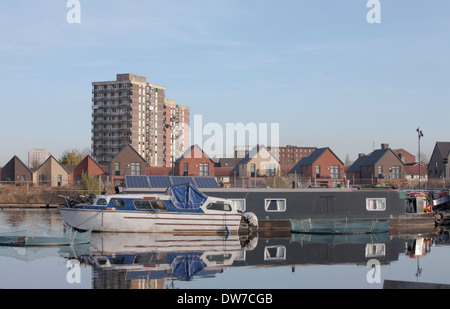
(361, 155)
(384, 146)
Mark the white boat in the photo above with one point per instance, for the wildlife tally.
(182, 209)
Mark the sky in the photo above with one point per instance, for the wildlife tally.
(317, 68)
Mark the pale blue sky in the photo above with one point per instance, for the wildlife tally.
(316, 67)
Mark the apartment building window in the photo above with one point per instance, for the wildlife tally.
(334, 171)
(203, 169)
(135, 169)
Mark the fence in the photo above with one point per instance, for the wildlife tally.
(27, 192)
(295, 181)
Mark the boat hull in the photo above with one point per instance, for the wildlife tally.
(339, 226)
(149, 222)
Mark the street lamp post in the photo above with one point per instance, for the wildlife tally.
(420, 135)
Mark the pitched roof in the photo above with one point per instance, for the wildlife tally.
(20, 161)
(252, 153)
(444, 148)
(123, 149)
(414, 169)
(309, 160)
(223, 171)
(189, 151)
(368, 160)
(50, 158)
(88, 159)
(227, 162)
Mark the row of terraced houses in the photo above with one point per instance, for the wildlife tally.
(255, 166)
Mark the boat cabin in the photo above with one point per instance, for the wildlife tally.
(177, 199)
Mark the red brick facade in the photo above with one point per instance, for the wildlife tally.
(194, 162)
(89, 166)
(321, 168)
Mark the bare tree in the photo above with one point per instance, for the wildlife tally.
(423, 158)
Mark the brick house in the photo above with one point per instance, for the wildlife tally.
(405, 156)
(321, 168)
(16, 171)
(88, 166)
(194, 162)
(51, 173)
(127, 162)
(382, 166)
(438, 166)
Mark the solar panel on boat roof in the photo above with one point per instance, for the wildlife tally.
(206, 182)
(178, 180)
(136, 181)
(159, 181)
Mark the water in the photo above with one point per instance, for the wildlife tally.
(195, 262)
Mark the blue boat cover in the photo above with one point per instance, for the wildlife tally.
(187, 196)
(185, 267)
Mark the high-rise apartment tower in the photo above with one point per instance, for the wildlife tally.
(131, 111)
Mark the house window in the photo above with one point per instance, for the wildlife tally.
(185, 169)
(203, 169)
(59, 178)
(270, 170)
(334, 171)
(317, 171)
(380, 171)
(117, 168)
(135, 169)
(275, 205)
(42, 180)
(253, 170)
(396, 172)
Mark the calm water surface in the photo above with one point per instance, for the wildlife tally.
(193, 262)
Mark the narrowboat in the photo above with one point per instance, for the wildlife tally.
(181, 209)
(333, 210)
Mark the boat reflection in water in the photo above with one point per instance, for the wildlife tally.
(155, 260)
(158, 261)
